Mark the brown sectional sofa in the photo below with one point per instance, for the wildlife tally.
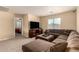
(51, 34)
(65, 40)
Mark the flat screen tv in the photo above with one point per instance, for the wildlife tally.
(34, 25)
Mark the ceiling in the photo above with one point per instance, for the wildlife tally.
(39, 10)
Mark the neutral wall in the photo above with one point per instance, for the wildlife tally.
(33, 18)
(6, 25)
(78, 19)
(68, 20)
(26, 19)
(25, 25)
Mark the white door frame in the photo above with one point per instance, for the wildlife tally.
(22, 27)
(15, 25)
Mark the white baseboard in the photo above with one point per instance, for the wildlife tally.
(7, 38)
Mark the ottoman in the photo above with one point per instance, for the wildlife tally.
(37, 46)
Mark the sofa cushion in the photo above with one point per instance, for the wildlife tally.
(59, 47)
(72, 35)
(74, 42)
(64, 37)
(59, 39)
(73, 45)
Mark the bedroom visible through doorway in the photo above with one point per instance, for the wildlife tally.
(18, 26)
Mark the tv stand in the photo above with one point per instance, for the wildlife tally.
(35, 32)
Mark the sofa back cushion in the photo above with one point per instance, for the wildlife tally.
(58, 31)
(73, 41)
(64, 37)
(60, 39)
(72, 35)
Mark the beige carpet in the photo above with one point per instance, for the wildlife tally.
(14, 45)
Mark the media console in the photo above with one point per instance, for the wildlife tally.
(35, 32)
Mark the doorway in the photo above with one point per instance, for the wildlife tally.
(18, 26)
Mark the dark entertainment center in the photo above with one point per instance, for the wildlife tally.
(34, 29)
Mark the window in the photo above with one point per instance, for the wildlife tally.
(54, 23)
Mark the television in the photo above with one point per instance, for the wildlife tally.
(34, 25)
